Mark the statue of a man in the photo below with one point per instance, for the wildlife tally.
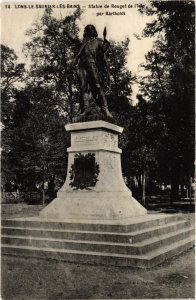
(91, 64)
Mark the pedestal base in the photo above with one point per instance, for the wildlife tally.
(94, 206)
(94, 187)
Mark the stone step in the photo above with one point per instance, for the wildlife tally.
(121, 248)
(19, 207)
(142, 261)
(163, 240)
(144, 234)
(132, 237)
(160, 255)
(126, 225)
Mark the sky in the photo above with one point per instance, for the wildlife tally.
(16, 21)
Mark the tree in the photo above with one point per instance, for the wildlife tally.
(11, 74)
(39, 142)
(140, 161)
(170, 87)
(52, 55)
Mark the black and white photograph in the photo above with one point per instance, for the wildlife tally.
(97, 149)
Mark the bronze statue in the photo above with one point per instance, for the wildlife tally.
(92, 64)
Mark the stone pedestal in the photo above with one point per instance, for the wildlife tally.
(94, 188)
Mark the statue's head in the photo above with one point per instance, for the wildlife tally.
(90, 31)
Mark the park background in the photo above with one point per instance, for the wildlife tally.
(152, 97)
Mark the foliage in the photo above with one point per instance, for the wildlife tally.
(169, 86)
(52, 56)
(11, 74)
(38, 142)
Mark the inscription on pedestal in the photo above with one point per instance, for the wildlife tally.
(84, 171)
(100, 138)
(79, 139)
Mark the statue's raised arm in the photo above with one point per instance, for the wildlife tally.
(71, 36)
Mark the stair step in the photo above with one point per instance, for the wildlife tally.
(124, 248)
(139, 241)
(141, 235)
(156, 257)
(125, 225)
(151, 259)
(135, 236)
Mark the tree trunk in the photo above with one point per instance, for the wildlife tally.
(44, 198)
(181, 191)
(139, 180)
(51, 188)
(190, 189)
(187, 191)
(174, 196)
(144, 188)
(3, 191)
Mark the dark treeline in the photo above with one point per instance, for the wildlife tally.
(158, 137)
